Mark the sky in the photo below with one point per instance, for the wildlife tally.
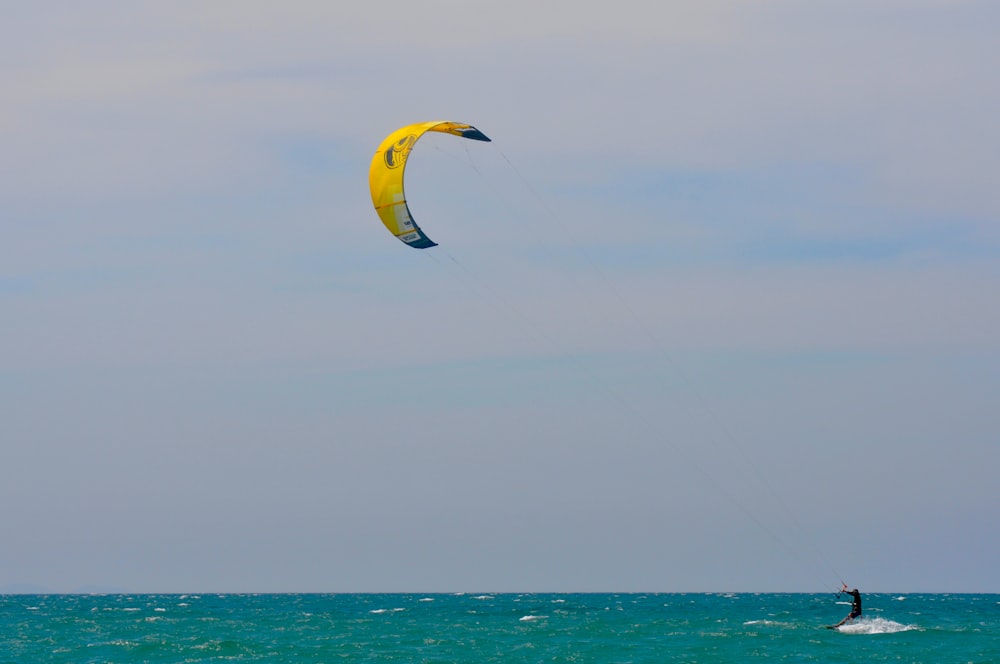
(716, 310)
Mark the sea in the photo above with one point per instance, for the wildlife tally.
(502, 627)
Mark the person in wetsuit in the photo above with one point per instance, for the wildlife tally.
(855, 606)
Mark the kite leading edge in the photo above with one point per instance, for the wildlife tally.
(385, 178)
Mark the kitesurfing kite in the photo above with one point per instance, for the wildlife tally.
(386, 177)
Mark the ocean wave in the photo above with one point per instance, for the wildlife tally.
(769, 623)
(874, 626)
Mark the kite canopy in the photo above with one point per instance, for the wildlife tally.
(386, 177)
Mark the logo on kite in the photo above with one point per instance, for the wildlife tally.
(396, 155)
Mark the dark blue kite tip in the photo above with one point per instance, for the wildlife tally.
(475, 135)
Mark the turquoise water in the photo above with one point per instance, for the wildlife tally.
(494, 628)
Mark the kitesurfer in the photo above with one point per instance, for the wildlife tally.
(855, 605)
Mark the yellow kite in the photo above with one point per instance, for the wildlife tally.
(386, 177)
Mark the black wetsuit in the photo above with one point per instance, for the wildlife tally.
(856, 606)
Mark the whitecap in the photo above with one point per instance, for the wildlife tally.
(874, 626)
(529, 618)
(426, 599)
